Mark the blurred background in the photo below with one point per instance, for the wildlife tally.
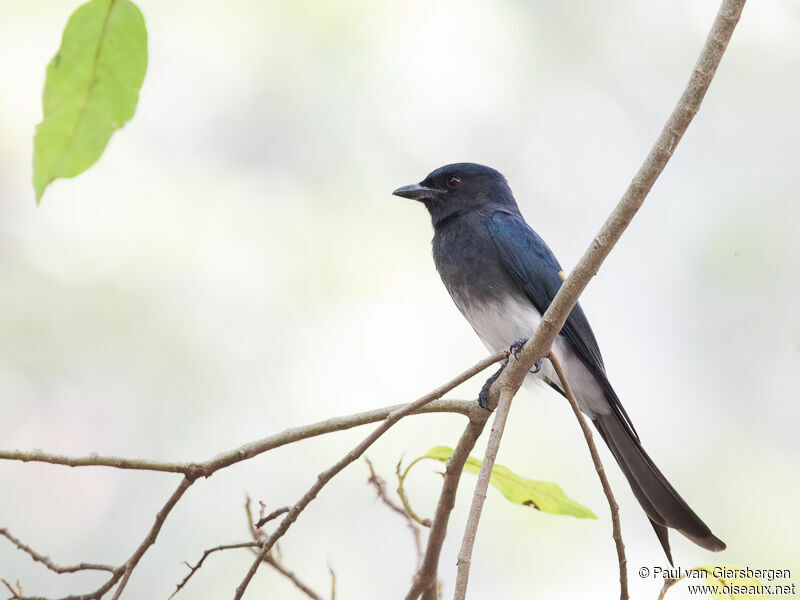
(235, 264)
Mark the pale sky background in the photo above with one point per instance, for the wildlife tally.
(235, 265)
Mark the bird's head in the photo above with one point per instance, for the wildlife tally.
(457, 189)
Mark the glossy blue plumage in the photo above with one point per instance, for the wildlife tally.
(502, 277)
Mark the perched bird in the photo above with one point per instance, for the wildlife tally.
(502, 277)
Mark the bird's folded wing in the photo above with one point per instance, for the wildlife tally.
(534, 268)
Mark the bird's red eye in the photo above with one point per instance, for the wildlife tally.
(453, 181)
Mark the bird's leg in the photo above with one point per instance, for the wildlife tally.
(515, 349)
(483, 397)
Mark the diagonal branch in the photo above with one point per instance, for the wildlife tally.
(122, 573)
(273, 515)
(269, 560)
(503, 390)
(380, 490)
(196, 567)
(273, 562)
(479, 495)
(324, 477)
(47, 562)
(425, 580)
(151, 536)
(240, 453)
(616, 531)
(258, 539)
(192, 471)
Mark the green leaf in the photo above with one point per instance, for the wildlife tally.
(91, 89)
(727, 580)
(542, 495)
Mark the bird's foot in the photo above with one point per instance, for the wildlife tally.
(483, 397)
(516, 347)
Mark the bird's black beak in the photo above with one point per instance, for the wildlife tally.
(416, 191)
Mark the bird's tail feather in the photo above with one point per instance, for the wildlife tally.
(658, 498)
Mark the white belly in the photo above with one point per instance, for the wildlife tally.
(501, 323)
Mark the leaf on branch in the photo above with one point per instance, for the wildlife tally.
(91, 89)
(542, 495)
(725, 582)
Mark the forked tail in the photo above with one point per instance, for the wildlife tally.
(658, 498)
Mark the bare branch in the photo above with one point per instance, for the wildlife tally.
(601, 473)
(668, 583)
(243, 452)
(619, 219)
(47, 562)
(503, 390)
(254, 545)
(9, 588)
(122, 573)
(380, 489)
(324, 477)
(273, 562)
(425, 581)
(258, 536)
(192, 471)
(196, 567)
(333, 582)
(273, 515)
(95, 595)
(479, 496)
(151, 536)
(401, 492)
(379, 484)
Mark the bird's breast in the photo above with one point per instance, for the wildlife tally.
(498, 321)
(473, 273)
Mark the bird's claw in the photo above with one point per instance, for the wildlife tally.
(483, 397)
(516, 347)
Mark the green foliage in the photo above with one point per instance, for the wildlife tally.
(91, 89)
(541, 495)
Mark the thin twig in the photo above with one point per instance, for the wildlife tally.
(401, 491)
(273, 562)
(324, 477)
(601, 473)
(668, 583)
(192, 471)
(122, 573)
(150, 539)
(479, 495)
(257, 534)
(47, 562)
(503, 390)
(238, 454)
(258, 537)
(273, 515)
(9, 588)
(426, 580)
(380, 489)
(206, 553)
(619, 219)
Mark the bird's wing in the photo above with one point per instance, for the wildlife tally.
(534, 268)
